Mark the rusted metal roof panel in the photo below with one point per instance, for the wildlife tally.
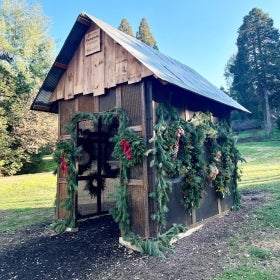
(162, 66)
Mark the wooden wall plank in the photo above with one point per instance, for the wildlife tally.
(53, 96)
(109, 56)
(87, 70)
(79, 69)
(134, 70)
(69, 81)
(98, 73)
(145, 72)
(60, 87)
(121, 64)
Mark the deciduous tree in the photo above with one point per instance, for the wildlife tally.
(26, 51)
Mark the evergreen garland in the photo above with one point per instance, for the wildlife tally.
(167, 120)
(69, 152)
(192, 163)
(156, 246)
(194, 159)
(225, 156)
(172, 157)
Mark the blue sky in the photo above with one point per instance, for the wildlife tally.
(199, 33)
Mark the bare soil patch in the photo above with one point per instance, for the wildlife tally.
(94, 252)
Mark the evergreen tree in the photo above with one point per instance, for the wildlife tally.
(145, 35)
(26, 51)
(125, 27)
(255, 70)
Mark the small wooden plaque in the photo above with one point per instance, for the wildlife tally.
(92, 42)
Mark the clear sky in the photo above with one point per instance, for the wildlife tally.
(199, 33)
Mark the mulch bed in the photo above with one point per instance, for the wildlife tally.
(94, 252)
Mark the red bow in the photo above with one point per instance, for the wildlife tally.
(63, 164)
(126, 149)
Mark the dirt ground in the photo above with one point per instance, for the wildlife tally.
(94, 252)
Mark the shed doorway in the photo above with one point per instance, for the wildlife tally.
(97, 170)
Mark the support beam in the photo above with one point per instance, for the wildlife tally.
(84, 21)
(60, 65)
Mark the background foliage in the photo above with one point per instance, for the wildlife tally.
(26, 51)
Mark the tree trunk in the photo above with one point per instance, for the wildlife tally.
(267, 115)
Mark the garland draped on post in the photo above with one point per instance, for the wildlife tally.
(67, 153)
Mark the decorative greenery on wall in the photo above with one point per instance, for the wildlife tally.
(129, 149)
(194, 153)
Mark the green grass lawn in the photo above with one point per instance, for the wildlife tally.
(260, 172)
(262, 167)
(26, 200)
(259, 134)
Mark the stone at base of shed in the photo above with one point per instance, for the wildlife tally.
(128, 244)
(75, 229)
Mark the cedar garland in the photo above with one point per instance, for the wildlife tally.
(69, 152)
(192, 164)
(174, 155)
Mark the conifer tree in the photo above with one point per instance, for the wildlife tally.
(255, 70)
(145, 35)
(125, 27)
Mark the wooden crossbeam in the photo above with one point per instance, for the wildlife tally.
(60, 65)
(84, 21)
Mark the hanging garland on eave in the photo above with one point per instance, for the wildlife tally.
(185, 157)
(199, 129)
(163, 159)
(223, 163)
(225, 158)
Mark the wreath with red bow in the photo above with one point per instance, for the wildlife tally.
(129, 148)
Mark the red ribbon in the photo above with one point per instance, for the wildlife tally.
(63, 164)
(126, 149)
(179, 133)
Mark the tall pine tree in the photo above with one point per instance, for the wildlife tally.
(125, 27)
(255, 70)
(145, 35)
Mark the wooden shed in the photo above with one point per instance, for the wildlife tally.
(100, 68)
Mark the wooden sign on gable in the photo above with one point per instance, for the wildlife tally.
(92, 42)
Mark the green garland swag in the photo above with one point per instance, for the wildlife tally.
(188, 161)
(224, 157)
(66, 154)
(183, 157)
(128, 158)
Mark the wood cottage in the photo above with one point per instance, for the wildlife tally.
(100, 68)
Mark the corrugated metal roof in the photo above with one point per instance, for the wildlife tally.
(162, 66)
